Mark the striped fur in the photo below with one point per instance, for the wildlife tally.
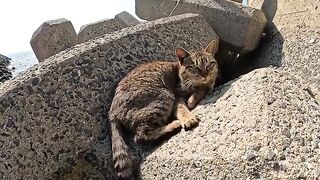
(152, 101)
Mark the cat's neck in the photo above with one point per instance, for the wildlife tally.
(185, 89)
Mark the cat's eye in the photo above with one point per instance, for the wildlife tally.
(210, 64)
(193, 69)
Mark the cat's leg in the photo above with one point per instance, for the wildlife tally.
(182, 113)
(154, 120)
(147, 134)
(196, 97)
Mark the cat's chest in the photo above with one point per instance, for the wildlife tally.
(185, 92)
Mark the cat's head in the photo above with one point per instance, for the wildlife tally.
(198, 68)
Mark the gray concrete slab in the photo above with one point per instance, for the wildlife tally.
(268, 7)
(236, 24)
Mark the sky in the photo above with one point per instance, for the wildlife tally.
(20, 18)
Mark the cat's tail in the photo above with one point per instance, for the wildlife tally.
(121, 157)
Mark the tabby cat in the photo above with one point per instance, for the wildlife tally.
(155, 99)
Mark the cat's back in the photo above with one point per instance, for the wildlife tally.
(148, 86)
(157, 74)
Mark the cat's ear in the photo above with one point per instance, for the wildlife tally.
(212, 47)
(181, 54)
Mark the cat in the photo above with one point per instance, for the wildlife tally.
(154, 99)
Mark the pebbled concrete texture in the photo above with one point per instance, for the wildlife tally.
(235, 24)
(105, 26)
(52, 37)
(262, 125)
(5, 71)
(95, 29)
(126, 19)
(53, 117)
(57, 35)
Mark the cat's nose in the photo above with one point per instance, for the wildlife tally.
(204, 74)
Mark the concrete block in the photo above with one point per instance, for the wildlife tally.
(269, 7)
(238, 25)
(52, 37)
(238, 1)
(92, 30)
(126, 19)
(55, 113)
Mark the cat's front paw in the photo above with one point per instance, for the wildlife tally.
(191, 103)
(190, 121)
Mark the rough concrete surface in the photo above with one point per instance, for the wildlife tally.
(5, 72)
(236, 24)
(126, 19)
(95, 29)
(50, 116)
(263, 125)
(238, 1)
(268, 7)
(52, 37)
(105, 26)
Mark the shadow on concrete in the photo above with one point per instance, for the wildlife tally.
(234, 63)
(268, 53)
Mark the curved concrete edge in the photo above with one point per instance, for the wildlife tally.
(231, 21)
(51, 114)
(250, 128)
